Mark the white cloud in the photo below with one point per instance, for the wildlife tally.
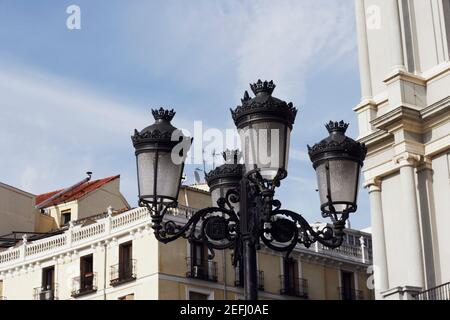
(53, 130)
(298, 155)
(232, 43)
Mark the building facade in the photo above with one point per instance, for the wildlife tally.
(404, 119)
(115, 256)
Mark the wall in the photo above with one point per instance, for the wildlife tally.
(17, 211)
(99, 200)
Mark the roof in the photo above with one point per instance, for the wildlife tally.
(75, 193)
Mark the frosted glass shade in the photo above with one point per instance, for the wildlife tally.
(338, 182)
(265, 147)
(168, 176)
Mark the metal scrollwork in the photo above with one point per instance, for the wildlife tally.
(219, 227)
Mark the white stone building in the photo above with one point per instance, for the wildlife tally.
(404, 119)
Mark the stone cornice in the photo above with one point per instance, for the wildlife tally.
(399, 117)
(366, 104)
(405, 76)
(375, 137)
(436, 109)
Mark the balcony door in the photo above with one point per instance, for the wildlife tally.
(347, 285)
(199, 258)
(48, 278)
(86, 272)
(47, 291)
(125, 260)
(291, 274)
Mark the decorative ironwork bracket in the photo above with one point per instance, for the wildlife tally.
(219, 227)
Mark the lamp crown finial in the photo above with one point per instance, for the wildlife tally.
(163, 114)
(335, 126)
(260, 86)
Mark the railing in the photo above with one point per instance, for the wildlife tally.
(47, 293)
(75, 235)
(441, 292)
(207, 271)
(84, 285)
(295, 287)
(360, 253)
(123, 272)
(350, 294)
(239, 279)
(182, 211)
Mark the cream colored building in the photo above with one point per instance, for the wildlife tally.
(115, 256)
(17, 210)
(404, 119)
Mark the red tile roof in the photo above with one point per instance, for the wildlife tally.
(74, 194)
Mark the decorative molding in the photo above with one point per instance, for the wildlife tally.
(397, 118)
(402, 75)
(407, 159)
(373, 184)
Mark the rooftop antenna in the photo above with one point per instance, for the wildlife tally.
(204, 162)
(197, 176)
(214, 155)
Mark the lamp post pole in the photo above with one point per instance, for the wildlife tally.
(249, 246)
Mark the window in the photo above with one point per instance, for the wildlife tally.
(198, 265)
(347, 289)
(290, 270)
(127, 297)
(125, 270)
(446, 7)
(47, 289)
(351, 240)
(87, 274)
(65, 217)
(199, 254)
(291, 283)
(197, 296)
(125, 259)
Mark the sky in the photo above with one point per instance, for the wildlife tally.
(71, 98)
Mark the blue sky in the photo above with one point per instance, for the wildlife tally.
(70, 99)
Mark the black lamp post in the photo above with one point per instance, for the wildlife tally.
(244, 210)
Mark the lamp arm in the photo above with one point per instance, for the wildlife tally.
(286, 229)
(214, 226)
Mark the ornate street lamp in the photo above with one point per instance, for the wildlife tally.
(225, 177)
(264, 124)
(156, 158)
(244, 210)
(337, 160)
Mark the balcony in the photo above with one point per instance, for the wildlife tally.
(84, 285)
(350, 294)
(297, 287)
(46, 293)
(239, 279)
(207, 271)
(441, 292)
(123, 273)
